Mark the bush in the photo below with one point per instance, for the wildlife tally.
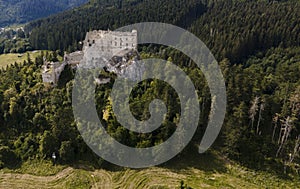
(48, 144)
(8, 158)
(66, 152)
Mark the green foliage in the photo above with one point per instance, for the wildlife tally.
(266, 25)
(26, 146)
(256, 41)
(8, 158)
(274, 78)
(64, 31)
(48, 144)
(22, 11)
(238, 29)
(66, 151)
(39, 120)
(17, 45)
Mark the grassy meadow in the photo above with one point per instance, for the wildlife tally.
(203, 171)
(11, 58)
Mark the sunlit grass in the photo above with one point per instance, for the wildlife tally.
(203, 171)
(11, 58)
(38, 168)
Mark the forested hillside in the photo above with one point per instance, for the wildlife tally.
(238, 29)
(257, 44)
(65, 30)
(22, 11)
(232, 29)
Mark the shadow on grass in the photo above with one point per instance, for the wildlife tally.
(13, 166)
(190, 158)
(208, 162)
(90, 166)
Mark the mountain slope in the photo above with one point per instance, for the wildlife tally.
(22, 11)
(246, 26)
(64, 30)
(238, 29)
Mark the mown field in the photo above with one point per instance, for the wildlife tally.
(11, 58)
(201, 172)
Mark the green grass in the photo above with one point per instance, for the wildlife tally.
(201, 171)
(38, 168)
(11, 58)
(80, 179)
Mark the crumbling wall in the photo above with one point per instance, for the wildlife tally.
(111, 42)
(74, 58)
(51, 71)
(98, 49)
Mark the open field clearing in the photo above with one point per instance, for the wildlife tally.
(229, 176)
(148, 178)
(11, 58)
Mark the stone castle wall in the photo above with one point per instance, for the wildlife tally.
(111, 42)
(97, 46)
(51, 71)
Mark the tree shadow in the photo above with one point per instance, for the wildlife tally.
(208, 162)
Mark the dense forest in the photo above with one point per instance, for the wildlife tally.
(14, 41)
(246, 26)
(258, 48)
(22, 11)
(64, 31)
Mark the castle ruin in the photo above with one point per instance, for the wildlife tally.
(97, 45)
(51, 71)
(111, 42)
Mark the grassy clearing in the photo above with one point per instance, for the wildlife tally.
(201, 172)
(11, 58)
